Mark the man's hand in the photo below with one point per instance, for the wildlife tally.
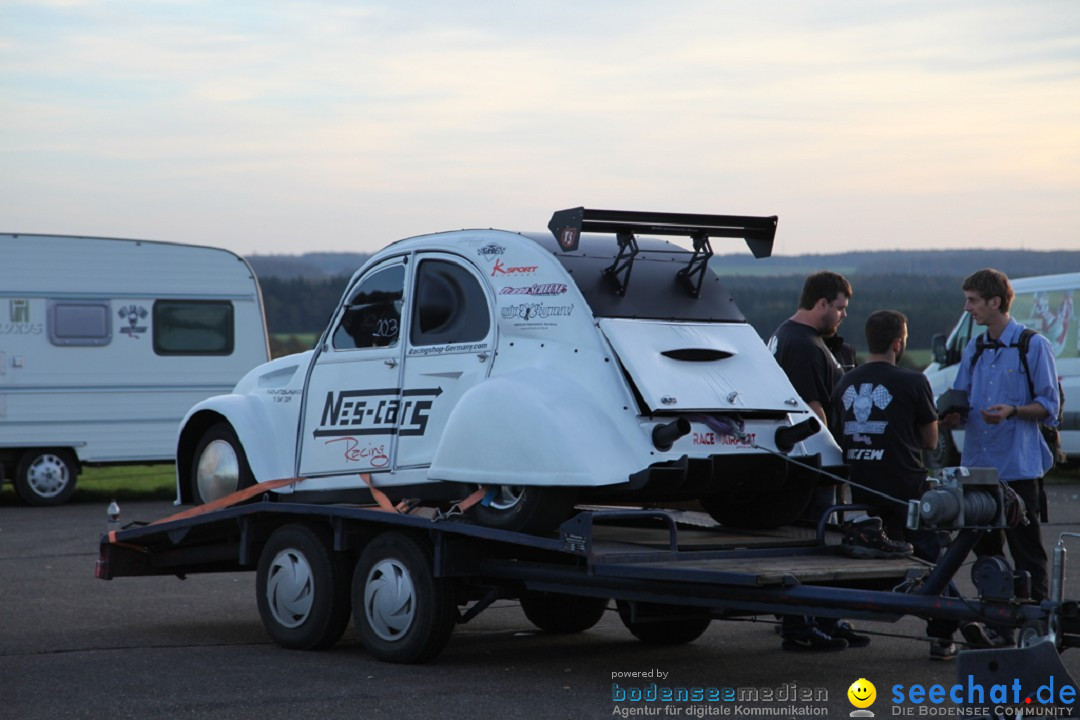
(997, 413)
(951, 421)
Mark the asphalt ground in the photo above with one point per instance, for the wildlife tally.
(72, 646)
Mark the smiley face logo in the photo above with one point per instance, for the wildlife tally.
(862, 693)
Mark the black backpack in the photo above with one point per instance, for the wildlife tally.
(1051, 435)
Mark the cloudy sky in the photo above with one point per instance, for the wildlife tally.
(280, 127)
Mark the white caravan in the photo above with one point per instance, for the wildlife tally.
(1044, 304)
(106, 343)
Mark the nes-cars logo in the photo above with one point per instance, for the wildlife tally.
(388, 411)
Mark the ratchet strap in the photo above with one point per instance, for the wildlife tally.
(412, 507)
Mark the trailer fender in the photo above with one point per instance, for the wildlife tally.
(267, 457)
(533, 427)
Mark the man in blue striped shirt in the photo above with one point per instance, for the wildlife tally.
(1003, 425)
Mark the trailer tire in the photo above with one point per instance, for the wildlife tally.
(676, 626)
(565, 614)
(404, 614)
(219, 466)
(46, 476)
(302, 588)
(524, 508)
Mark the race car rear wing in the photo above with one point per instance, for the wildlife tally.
(567, 226)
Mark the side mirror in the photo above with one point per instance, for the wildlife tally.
(941, 353)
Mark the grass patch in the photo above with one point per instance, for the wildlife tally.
(116, 482)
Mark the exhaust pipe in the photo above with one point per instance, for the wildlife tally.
(664, 436)
(786, 437)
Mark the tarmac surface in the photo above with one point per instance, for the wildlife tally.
(72, 646)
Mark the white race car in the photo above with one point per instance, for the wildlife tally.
(549, 369)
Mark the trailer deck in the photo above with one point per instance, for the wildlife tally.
(670, 572)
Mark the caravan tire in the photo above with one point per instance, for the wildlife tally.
(219, 466)
(46, 476)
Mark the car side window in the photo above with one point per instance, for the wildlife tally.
(450, 306)
(373, 316)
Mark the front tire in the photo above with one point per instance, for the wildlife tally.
(302, 588)
(46, 476)
(944, 455)
(219, 466)
(404, 614)
(526, 508)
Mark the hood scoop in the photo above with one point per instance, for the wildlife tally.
(697, 354)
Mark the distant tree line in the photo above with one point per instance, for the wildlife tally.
(300, 306)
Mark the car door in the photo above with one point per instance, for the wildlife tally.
(353, 398)
(450, 348)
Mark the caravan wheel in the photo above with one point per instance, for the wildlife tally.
(46, 476)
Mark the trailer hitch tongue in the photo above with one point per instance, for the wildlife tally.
(787, 437)
(1037, 670)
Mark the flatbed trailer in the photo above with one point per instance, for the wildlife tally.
(408, 578)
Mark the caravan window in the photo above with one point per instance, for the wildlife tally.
(193, 327)
(79, 322)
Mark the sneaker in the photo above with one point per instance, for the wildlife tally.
(815, 641)
(847, 633)
(866, 538)
(942, 649)
(984, 636)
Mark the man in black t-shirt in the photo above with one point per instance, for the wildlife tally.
(884, 417)
(799, 348)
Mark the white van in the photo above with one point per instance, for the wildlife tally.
(1044, 304)
(106, 343)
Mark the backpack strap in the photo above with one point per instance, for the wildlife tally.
(1023, 345)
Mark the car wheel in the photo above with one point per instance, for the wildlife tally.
(404, 614)
(302, 588)
(524, 508)
(46, 476)
(219, 466)
(558, 613)
(663, 624)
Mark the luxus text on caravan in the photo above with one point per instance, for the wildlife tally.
(1044, 304)
(105, 344)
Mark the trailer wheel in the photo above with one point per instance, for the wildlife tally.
(558, 613)
(220, 465)
(404, 614)
(302, 588)
(46, 476)
(525, 508)
(663, 624)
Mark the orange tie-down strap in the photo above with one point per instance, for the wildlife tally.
(259, 488)
(406, 507)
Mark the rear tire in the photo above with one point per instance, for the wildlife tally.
(219, 466)
(525, 508)
(302, 588)
(673, 624)
(46, 476)
(404, 614)
(558, 613)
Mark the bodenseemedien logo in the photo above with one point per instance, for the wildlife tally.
(862, 695)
